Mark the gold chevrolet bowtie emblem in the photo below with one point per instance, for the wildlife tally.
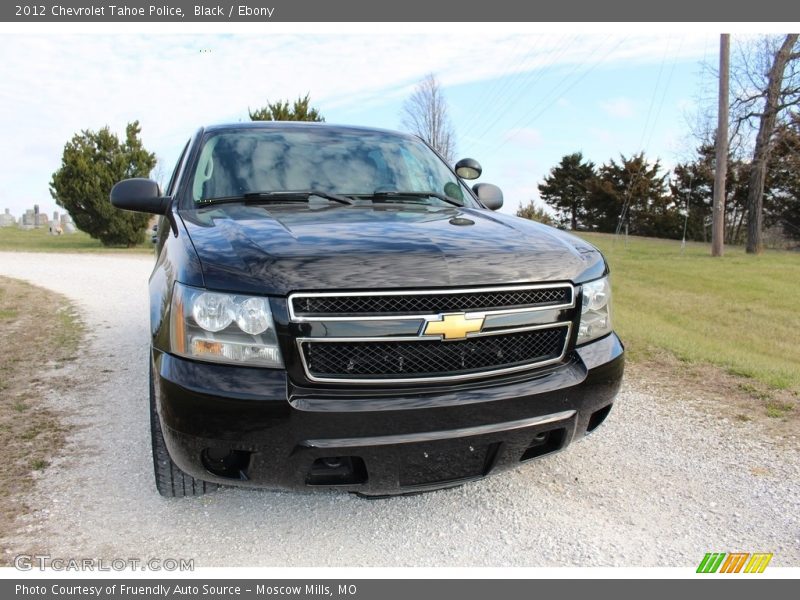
(454, 326)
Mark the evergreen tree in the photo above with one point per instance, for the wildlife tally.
(300, 110)
(565, 189)
(535, 213)
(692, 189)
(634, 192)
(92, 162)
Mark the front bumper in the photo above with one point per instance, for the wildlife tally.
(253, 427)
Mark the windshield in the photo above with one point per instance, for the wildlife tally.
(336, 161)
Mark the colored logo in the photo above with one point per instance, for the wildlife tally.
(454, 326)
(734, 562)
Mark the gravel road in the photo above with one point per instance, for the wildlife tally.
(660, 484)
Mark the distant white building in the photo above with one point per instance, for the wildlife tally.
(7, 219)
(32, 218)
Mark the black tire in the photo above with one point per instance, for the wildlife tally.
(170, 480)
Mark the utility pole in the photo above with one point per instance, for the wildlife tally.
(721, 170)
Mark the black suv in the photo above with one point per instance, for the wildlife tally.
(334, 307)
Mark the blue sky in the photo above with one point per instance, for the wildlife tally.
(518, 101)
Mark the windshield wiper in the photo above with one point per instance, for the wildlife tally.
(399, 195)
(278, 196)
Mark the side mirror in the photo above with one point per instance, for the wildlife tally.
(141, 195)
(468, 168)
(490, 195)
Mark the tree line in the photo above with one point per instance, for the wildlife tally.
(635, 194)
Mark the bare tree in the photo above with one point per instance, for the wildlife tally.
(425, 113)
(158, 174)
(766, 82)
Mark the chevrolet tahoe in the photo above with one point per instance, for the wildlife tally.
(335, 307)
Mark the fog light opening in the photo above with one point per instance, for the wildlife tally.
(597, 418)
(337, 470)
(540, 438)
(543, 443)
(224, 462)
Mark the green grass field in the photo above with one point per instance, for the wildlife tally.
(40, 240)
(738, 312)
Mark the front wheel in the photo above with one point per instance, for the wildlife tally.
(170, 480)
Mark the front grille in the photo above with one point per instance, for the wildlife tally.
(426, 359)
(429, 303)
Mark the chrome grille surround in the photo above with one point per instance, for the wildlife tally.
(531, 312)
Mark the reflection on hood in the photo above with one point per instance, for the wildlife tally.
(277, 249)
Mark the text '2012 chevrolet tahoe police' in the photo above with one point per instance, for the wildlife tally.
(334, 307)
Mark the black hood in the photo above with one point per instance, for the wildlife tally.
(278, 249)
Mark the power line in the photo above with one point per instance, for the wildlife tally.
(664, 93)
(491, 92)
(519, 96)
(513, 99)
(655, 92)
(629, 193)
(556, 92)
(523, 80)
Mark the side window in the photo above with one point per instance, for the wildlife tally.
(174, 177)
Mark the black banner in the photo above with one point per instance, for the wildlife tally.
(244, 11)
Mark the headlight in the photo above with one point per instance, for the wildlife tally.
(213, 312)
(218, 327)
(595, 310)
